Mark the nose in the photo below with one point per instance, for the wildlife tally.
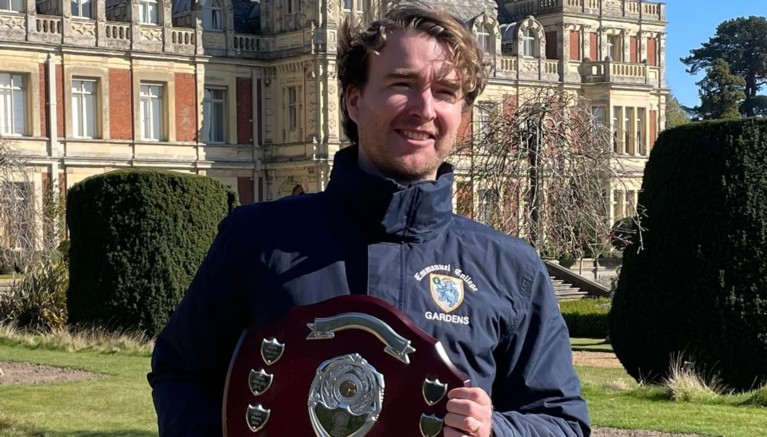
(422, 105)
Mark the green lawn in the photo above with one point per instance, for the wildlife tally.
(119, 404)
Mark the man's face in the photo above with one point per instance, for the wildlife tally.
(407, 113)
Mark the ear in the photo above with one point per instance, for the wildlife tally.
(352, 100)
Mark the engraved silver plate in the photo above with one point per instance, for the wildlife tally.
(259, 382)
(433, 391)
(431, 426)
(346, 397)
(257, 416)
(271, 350)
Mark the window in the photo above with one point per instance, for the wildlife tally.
(213, 118)
(483, 128)
(148, 11)
(598, 112)
(618, 204)
(528, 43)
(84, 108)
(151, 96)
(82, 8)
(292, 108)
(212, 14)
(13, 104)
(483, 37)
(640, 132)
(618, 129)
(360, 6)
(615, 47)
(12, 5)
(488, 207)
(628, 130)
(347, 5)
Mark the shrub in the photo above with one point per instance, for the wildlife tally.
(136, 239)
(586, 317)
(37, 302)
(698, 286)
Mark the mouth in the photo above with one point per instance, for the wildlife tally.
(416, 135)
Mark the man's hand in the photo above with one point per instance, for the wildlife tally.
(469, 413)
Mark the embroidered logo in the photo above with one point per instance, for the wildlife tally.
(446, 291)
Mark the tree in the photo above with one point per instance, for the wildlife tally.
(675, 114)
(742, 43)
(721, 93)
(540, 170)
(17, 225)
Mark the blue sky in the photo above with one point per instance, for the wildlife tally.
(691, 23)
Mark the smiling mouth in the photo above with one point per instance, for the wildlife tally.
(415, 135)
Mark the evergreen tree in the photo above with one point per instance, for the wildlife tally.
(675, 114)
(721, 93)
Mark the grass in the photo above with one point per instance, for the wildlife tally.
(119, 404)
(591, 345)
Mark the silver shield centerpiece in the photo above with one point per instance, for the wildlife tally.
(345, 397)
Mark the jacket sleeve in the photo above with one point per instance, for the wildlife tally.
(536, 391)
(191, 355)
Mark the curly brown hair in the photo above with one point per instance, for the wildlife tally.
(356, 44)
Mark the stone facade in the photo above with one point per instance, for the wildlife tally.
(246, 91)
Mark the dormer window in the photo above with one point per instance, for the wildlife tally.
(147, 10)
(212, 15)
(528, 43)
(82, 8)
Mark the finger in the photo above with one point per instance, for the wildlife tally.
(475, 394)
(464, 424)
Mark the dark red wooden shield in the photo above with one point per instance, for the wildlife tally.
(318, 372)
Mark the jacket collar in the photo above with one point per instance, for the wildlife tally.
(386, 210)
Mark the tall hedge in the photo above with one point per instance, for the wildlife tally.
(136, 239)
(698, 286)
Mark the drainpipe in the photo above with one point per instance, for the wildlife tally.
(54, 152)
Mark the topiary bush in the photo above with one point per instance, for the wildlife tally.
(586, 317)
(136, 239)
(698, 286)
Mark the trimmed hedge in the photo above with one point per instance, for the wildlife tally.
(586, 317)
(698, 287)
(136, 239)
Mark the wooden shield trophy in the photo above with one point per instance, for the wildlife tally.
(350, 366)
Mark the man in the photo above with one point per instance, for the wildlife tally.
(385, 227)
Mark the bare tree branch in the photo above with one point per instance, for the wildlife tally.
(542, 169)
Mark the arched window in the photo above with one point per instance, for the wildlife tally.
(212, 15)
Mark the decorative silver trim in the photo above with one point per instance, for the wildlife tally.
(259, 382)
(256, 417)
(433, 391)
(396, 345)
(431, 425)
(271, 350)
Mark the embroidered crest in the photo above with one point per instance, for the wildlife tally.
(446, 291)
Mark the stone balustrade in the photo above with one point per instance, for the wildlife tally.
(619, 72)
(634, 9)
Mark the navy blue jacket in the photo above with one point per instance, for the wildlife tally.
(486, 296)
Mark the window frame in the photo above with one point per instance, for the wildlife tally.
(528, 43)
(23, 90)
(292, 107)
(148, 12)
(80, 6)
(615, 47)
(8, 6)
(79, 131)
(157, 132)
(213, 15)
(209, 104)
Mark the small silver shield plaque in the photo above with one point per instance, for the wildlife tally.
(271, 350)
(346, 397)
(431, 425)
(257, 417)
(433, 391)
(259, 382)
